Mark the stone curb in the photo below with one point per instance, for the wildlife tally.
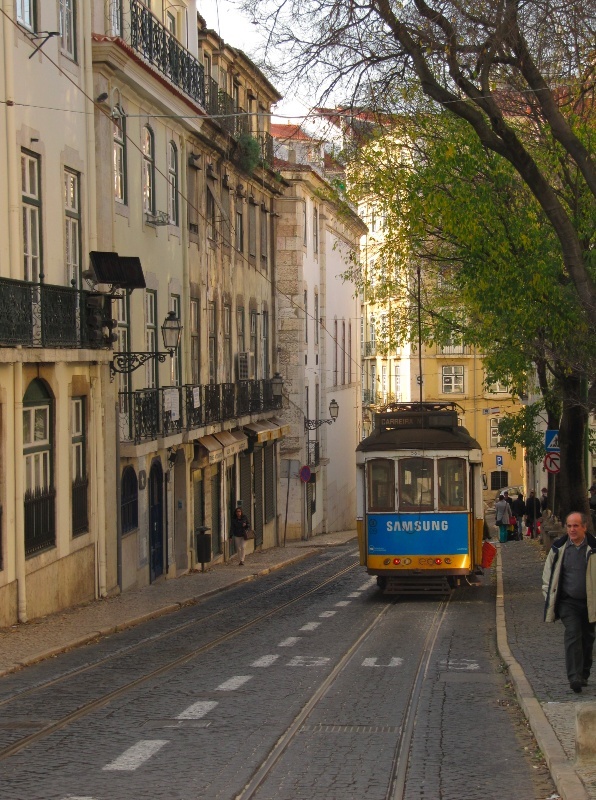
(568, 783)
(80, 641)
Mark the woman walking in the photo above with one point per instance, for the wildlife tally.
(502, 517)
(239, 528)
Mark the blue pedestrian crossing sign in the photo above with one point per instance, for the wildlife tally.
(499, 461)
(551, 441)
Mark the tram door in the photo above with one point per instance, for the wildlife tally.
(155, 521)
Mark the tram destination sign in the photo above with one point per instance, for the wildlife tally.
(438, 419)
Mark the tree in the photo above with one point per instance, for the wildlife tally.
(472, 224)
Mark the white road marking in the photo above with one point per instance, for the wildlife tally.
(264, 661)
(310, 626)
(354, 594)
(197, 710)
(343, 603)
(136, 755)
(327, 613)
(289, 642)
(372, 662)
(367, 585)
(308, 661)
(76, 797)
(460, 664)
(233, 683)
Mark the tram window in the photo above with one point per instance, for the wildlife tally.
(381, 485)
(416, 484)
(452, 483)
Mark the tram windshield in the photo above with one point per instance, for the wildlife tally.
(416, 484)
(381, 485)
(452, 483)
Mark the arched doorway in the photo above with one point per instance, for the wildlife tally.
(155, 521)
(181, 521)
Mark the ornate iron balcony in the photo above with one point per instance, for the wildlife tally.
(163, 51)
(44, 315)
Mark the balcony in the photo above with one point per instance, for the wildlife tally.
(266, 142)
(453, 350)
(43, 315)
(148, 414)
(369, 349)
(162, 50)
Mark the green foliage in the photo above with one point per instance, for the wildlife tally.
(521, 428)
(248, 153)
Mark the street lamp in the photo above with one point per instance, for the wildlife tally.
(127, 362)
(277, 383)
(312, 424)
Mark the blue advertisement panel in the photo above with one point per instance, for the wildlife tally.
(417, 534)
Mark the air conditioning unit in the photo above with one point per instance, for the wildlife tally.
(245, 366)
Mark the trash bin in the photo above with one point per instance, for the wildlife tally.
(203, 546)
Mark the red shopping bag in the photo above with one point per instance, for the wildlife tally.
(489, 551)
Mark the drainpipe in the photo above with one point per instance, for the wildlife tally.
(96, 387)
(19, 493)
(91, 178)
(12, 160)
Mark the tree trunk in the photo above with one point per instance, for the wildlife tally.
(571, 485)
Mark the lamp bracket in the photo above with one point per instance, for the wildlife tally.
(313, 424)
(125, 363)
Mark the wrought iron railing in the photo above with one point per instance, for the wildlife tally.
(150, 38)
(266, 142)
(80, 514)
(369, 397)
(43, 315)
(369, 349)
(227, 111)
(40, 520)
(149, 413)
(314, 454)
(453, 350)
(211, 96)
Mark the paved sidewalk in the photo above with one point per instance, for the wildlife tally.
(533, 651)
(26, 644)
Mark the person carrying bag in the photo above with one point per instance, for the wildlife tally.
(502, 517)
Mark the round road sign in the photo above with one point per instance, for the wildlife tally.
(305, 474)
(552, 463)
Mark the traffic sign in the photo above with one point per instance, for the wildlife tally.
(499, 461)
(552, 463)
(305, 473)
(551, 441)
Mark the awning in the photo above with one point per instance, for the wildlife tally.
(275, 429)
(213, 447)
(231, 444)
(283, 426)
(242, 440)
(259, 431)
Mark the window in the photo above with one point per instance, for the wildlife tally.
(239, 240)
(265, 342)
(494, 438)
(148, 148)
(171, 23)
(39, 501)
(252, 230)
(343, 353)
(80, 517)
(315, 229)
(227, 333)
(173, 184)
(195, 351)
(72, 231)
(384, 382)
(211, 319)
(253, 338)
(452, 484)
(176, 307)
(350, 353)
(305, 237)
(129, 500)
(119, 133)
(151, 338)
(381, 484)
(499, 479)
(396, 382)
(116, 17)
(264, 239)
(335, 352)
(26, 13)
(306, 316)
(225, 212)
(497, 388)
(211, 227)
(453, 380)
(122, 345)
(416, 484)
(316, 318)
(67, 28)
(241, 343)
(31, 194)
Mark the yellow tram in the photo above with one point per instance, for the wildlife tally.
(419, 490)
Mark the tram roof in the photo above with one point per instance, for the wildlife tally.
(419, 439)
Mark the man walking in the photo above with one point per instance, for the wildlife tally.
(569, 588)
(532, 514)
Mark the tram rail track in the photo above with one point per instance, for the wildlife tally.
(107, 697)
(398, 775)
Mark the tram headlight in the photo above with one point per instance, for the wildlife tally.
(386, 562)
(438, 560)
(407, 561)
(448, 561)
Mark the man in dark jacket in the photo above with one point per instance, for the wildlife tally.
(519, 509)
(532, 514)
